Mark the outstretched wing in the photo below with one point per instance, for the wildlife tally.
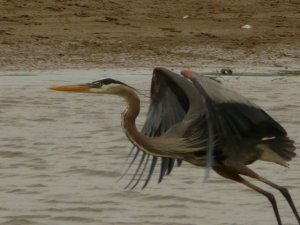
(169, 105)
(233, 116)
(242, 116)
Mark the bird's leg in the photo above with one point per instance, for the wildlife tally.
(284, 191)
(250, 173)
(236, 177)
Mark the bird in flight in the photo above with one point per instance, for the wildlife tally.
(194, 118)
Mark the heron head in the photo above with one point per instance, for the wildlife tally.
(104, 86)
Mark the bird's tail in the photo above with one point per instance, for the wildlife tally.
(282, 146)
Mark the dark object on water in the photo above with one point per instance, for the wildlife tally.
(226, 71)
(195, 119)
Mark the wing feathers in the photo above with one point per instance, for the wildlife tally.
(234, 117)
(247, 117)
(153, 164)
(168, 106)
(163, 168)
(137, 170)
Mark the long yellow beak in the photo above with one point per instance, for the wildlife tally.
(71, 88)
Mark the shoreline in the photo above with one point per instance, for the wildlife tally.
(196, 63)
(147, 71)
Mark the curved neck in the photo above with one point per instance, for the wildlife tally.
(128, 122)
(132, 111)
(150, 145)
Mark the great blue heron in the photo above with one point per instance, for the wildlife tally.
(196, 119)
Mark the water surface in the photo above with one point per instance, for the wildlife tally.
(61, 154)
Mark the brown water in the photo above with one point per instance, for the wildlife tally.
(61, 154)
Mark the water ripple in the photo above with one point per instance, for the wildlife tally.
(60, 156)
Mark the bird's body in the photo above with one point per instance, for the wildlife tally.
(196, 119)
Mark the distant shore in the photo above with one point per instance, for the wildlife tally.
(43, 35)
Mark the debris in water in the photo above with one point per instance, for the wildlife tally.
(185, 17)
(226, 71)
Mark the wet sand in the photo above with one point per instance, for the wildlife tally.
(60, 34)
(61, 154)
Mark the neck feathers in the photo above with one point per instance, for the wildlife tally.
(133, 107)
(150, 145)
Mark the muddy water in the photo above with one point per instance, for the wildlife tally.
(61, 154)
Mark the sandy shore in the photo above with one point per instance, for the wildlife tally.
(191, 33)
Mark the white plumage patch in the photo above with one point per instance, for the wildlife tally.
(269, 155)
